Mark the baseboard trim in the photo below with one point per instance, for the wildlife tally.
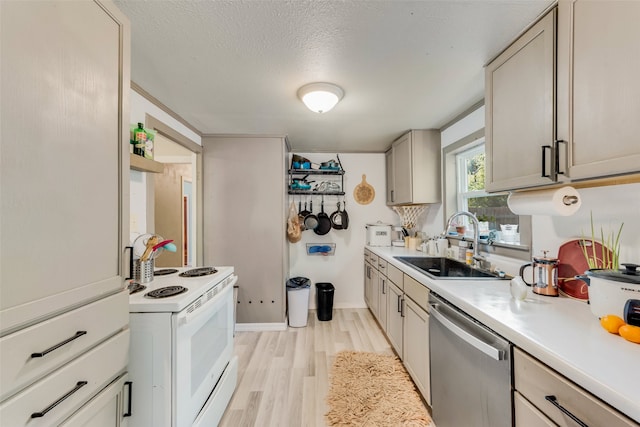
(255, 327)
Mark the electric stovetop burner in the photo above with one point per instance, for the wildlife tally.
(197, 272)
(135, 288)
(167, 291)
(165, 271)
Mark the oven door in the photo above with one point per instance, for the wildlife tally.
(203, 346)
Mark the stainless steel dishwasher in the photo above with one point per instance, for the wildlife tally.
(470, 370)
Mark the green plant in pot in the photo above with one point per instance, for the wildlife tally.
(609, 256)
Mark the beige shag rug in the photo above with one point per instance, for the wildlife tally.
(369, 389)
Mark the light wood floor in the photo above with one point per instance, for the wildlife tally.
(284, 376)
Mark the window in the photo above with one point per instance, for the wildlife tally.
(490, 209)
(464, 175)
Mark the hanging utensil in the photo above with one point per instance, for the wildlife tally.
(336, 218)
(310, 220)
(324, 222)
(344, 215)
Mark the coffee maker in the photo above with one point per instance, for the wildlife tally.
(546, 271)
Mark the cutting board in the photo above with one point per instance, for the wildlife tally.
(571, 262)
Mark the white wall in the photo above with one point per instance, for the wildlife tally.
(345, 270)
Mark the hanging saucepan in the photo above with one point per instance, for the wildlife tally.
(310, 220)
(336, 218)
(324, 222)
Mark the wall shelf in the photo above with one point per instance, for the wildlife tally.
(143, 164)
(304, 173)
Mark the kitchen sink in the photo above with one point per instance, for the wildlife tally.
(446, 268)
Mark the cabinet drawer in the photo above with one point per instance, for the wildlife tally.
(106, 408)
(382, 266)
(367, 254)
(395, 275)
(528, 415)
(97, 368)
(91, 324)
(417, 292)
(535, 381)
(373, 259)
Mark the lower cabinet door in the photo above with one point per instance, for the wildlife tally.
(528, 415)
(395, 306)
(110, 408)
(416, 347)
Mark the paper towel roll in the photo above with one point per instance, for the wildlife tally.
(563, 201)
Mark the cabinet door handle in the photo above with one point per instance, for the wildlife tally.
(130, 385)
(57, 346)
(383, 290)
(557, 143)
(78, 386)
(392, 196)
(402, 307)
(400, 304)
(554, 402)
(544, 161)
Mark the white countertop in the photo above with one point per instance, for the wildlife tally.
(559, 331)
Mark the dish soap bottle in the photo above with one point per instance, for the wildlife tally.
(468, 255)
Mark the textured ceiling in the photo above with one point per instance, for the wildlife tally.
(235, 66)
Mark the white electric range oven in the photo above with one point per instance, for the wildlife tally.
(182, 367)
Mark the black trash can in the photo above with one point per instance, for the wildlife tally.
(324, 300)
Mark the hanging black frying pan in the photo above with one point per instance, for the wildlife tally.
(300, 215)
(344, 215)
(336, 218)
(310, 221)
(324, 222)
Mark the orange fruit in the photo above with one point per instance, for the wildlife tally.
(611, 323)
(630, 333)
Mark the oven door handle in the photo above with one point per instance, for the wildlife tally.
(190, 317)
(467, 337)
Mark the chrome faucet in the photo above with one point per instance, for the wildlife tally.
(476, 257)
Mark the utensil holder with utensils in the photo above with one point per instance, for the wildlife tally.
(143, 270)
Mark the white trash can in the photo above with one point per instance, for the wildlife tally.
(298, 301)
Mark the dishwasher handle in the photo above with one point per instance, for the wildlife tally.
(489, 350)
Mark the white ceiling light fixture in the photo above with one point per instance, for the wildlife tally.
(320, 97)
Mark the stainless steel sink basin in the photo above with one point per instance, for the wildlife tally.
(446, 268)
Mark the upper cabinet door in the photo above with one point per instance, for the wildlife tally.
(402, 170)
(599, 86)
(520, 110)
(65, 81)
(388, 159)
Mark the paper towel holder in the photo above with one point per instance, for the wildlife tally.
(570, 200)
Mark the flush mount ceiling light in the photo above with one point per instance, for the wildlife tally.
(320, 97)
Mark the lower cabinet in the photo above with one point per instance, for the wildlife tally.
(545, 398)
(395, 308)
(383, 290)
(110, 408)
(416, 346)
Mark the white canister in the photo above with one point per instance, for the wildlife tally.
(441, 246)
(378, 234)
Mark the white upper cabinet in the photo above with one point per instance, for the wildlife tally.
(413, 168)
(599, 86)
(519, 129)
(65, 152)
(563, 101)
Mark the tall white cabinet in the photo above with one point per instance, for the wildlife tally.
(64, 208)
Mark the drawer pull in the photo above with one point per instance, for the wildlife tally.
(565, 411)
(57, 346)
(130, 385)
(78, 386)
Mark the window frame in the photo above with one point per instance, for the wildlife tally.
(450, 199)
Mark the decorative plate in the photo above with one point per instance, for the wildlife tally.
(571, 262)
